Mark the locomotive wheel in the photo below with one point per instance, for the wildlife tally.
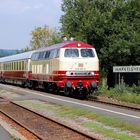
(29, 84)
(0, 79)
(84, 93)
(55, 89)
(67, 91)
(24, 83)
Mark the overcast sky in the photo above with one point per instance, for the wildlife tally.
(19, 17)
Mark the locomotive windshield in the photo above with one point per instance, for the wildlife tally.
(71, 53)
(87, 53)
(79, 52)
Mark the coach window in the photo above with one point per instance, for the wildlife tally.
(87, 53)
(41, 55)
(10, 66)
(22, 65)
(71, 53)
(6, 66)
(19, 63)
(35, 56)
(14, 65)
(47, 55)
(17, 66)
(52, 54)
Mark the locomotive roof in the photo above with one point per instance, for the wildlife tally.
(21, 56)
(68, 44)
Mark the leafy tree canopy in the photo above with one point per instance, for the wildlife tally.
(43, 37)
(113, 26)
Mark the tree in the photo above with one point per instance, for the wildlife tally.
(26, 49)
(43, 37)
(112, 26)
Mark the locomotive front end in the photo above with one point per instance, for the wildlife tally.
(79, 66)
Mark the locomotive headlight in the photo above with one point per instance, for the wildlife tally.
(79, 45)
(68, 73)
(92, 73)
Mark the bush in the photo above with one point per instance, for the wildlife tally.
(122, 93)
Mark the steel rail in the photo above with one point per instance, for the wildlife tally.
(98, 99)
(20, 124)
(113, 103)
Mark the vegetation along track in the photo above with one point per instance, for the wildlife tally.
(42, 127)
(105, 100)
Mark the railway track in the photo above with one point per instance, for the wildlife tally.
(105, 100)
(109, 101)
(42, 127)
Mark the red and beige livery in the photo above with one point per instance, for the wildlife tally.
(69, 67)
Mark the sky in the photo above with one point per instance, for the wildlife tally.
(18, 18)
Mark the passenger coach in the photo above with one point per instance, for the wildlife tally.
(16, 68)
(68, 67)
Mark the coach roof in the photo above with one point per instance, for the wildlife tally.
(16, 57)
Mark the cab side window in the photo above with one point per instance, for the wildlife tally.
(54, 54)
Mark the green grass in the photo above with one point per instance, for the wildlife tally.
(15, 138)
(113, 122)
(108, 132)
